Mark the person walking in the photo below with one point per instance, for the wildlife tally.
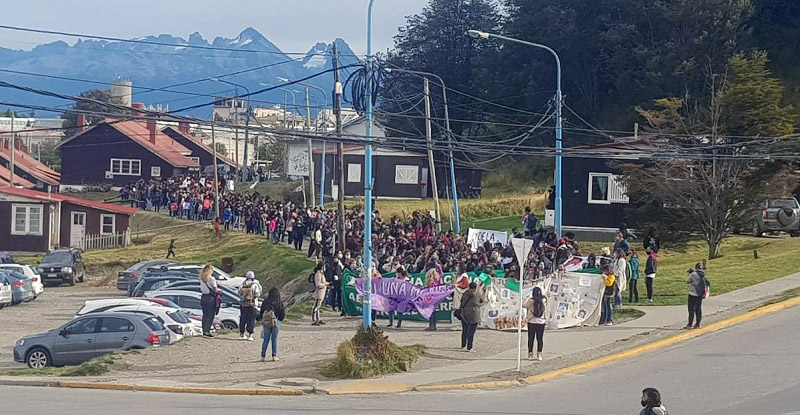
(609, 280)
(633, 296)
(471, 303)
(650, 271)
(402, 275)
(321, 287)
(621, 273)
(535, 311)
(651, 403)
(247, 307)
(272, 315)
(698, 285)
(171, 249)
(433, 280)
(208, 299)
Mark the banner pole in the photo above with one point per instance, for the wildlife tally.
(519, 320)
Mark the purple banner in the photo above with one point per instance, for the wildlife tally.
(389, 294)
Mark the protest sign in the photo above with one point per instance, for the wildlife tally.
(390, 294)
(476, 237)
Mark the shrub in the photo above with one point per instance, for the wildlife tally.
(370, 353)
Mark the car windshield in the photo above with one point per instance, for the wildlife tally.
(178, 316)
(783, 203)
(59, 257)
(13, 268)
(154, 324)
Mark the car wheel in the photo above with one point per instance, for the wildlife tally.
(38, 358)
(72, 281)
(794, 234)
(757, 229)
(229, 325)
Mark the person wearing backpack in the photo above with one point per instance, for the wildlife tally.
(651, 403)
(535, 308)
(247, 307)
(272, 315)
(320, 288)
(698, 289)
(471, 303)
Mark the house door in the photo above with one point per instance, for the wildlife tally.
(77, 229)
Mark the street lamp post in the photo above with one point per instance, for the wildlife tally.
(245, 175)
(367, 307)
(558, 210)
(311, 161)
(449, 138)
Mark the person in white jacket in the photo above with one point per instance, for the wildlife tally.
(621, 272)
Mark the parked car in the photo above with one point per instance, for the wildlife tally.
(778, 215)
(6, 258)
(196, 320)
(90, 336)
(158, 279)
(36, 280)
(190, 301)
(173, 319)
(128, 278)
(229, 295)
(21, 286)
(222, 277)
(62, 265)
(6, 297)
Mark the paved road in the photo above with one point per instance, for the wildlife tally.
(750, 369)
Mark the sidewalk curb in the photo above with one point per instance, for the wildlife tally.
(149, 388)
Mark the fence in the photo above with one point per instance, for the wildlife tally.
(107, 241)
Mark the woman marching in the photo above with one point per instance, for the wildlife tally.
(272, 314)
(535, 307)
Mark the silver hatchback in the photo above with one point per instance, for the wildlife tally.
(90, 336)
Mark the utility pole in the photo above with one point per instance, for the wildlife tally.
(216, 179)
(246, 175)
(236, 140)
(13, 144)
(310, 153)
(337, 111)
(431, 163)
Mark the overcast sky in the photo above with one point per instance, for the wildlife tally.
(293, 25)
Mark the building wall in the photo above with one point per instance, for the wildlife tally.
(85, 160)
(577, 210)
(468, 182)
(121, 221)
(22, 243)
(383, 172)
(19, 171)
(201, 152)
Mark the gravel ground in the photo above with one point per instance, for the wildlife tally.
(303, 349)
(54, 307)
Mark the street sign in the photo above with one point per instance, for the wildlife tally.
(522, 247)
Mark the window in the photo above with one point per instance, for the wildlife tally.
(406, 174)
(354, 172)
(27, 219)
(107, 224)
(85, 326)
(126, 167)
(189, 302)
(195, 159)
(116, 325)
(605, 189)
(155, 171)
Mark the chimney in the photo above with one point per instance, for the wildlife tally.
(183, 127)
(137, 106)
(151, 127)
(81, 123)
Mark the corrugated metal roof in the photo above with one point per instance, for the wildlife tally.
(24, 161)
(50, 197)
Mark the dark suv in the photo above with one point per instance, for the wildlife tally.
(62, 265)
(153, 280)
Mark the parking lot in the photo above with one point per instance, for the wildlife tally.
(57, 305)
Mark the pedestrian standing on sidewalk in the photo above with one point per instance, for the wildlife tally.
(535, 308)
(321, 287)
(651, 403)
(208, 299)
(606, 312)
(471, 303)
(433, 280)
(633, 296)
(621, 273)
(247, 307)
(272, 315)
(698, 284)
(650, 270)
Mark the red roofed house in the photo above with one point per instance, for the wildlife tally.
(201, 152)
(33, 221)
(116, 153)
(27, 168)
(5, 179)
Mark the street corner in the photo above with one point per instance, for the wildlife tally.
(499, 384)
(367, 387)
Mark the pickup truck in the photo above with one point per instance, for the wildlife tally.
(778, 215)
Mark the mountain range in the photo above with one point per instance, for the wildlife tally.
(166, 60)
